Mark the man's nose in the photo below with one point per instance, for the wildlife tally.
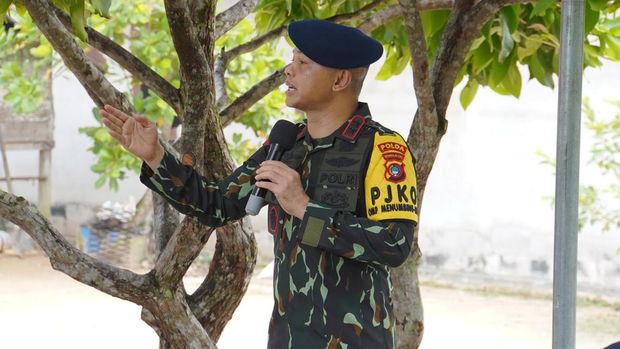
(288, 69)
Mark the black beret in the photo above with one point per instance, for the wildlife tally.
(334, 45)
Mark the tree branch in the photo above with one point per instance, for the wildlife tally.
(221, 95)
(346, 17)
(254, 44)
(253, 95)
(377, 19)
(450, 56)
(181, 250)
(195, 71)
(234, 259)
(98, 87)
(417, 47)
(127, 60)
(426, 5)
(64, 257)
(203, 17)
(233, 15)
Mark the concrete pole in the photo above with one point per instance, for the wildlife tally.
(5, 163)
(567, 175)
(45, 182)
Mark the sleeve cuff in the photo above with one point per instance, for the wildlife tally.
(147, 173)
(316, 222)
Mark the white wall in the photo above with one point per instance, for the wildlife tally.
(72, 180)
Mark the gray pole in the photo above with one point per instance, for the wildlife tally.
(5, 163)
(567, 175)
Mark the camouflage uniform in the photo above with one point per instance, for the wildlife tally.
(332, 268)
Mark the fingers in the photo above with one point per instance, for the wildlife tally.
(117, 136)
(111, 122)
(267, 175)
(116, 113)
(276, 174)
(266, 185)
(115, 119)
(271, 169)
(142, 120)
(277, 164)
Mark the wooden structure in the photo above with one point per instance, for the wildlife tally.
(29, 132)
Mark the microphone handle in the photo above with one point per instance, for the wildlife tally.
(255, 202)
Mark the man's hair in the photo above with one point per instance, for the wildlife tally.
(357, 79)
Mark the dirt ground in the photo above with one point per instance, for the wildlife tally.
(42, 308)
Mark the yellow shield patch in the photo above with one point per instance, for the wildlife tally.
(390, 184)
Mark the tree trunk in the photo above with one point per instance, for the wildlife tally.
(408, 308)
(215, 301)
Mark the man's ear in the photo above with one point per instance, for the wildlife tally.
(343, 80)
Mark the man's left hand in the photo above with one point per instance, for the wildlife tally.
(285, 184)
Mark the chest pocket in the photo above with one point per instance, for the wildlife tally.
(339, 177)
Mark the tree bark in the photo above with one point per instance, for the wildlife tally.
(230, 271)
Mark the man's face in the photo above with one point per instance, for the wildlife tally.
(309, 83)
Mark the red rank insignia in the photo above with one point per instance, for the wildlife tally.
(394, 155)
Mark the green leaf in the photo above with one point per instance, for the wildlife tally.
(21, 9)
(513, 81)
(509, 14)
(469, 92)
(591, 18)
(481, 58)
(78, 19)
(539, 71)
(434, 21)
(612, 47)
(530, 45)
(541, 6)
(102, 7)
(100, 182)
(497, 73)
(507, 41)
(41, 51)
(101, 134)
(114, 184)
(395, 63)
(99, 167)
(611, 26)
(237, 137)
(4, 7)
(598, 5)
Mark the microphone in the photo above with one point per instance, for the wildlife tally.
(281, 139)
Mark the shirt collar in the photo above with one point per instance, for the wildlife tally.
(348, 132)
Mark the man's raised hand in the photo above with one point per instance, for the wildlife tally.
(137, 134)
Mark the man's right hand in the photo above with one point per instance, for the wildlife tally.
(137, 134)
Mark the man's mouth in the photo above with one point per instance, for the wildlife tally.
(290, 86)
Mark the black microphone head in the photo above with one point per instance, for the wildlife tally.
(283, 133)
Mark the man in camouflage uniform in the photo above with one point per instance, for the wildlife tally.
(342, 201)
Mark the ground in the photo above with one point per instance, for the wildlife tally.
(43, 308)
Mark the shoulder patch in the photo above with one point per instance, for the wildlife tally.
(390, 183)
